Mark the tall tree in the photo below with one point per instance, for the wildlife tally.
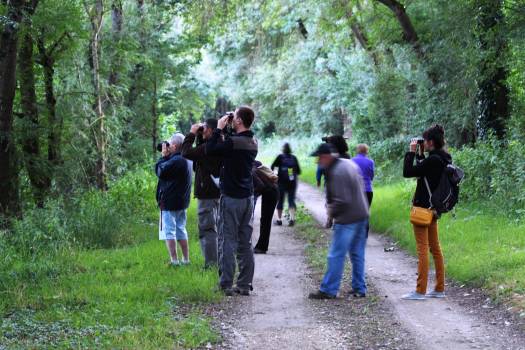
(37, 168)
(9, 200)
(95, 12)
(493, 95)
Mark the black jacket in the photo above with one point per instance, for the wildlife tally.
(431, 168)
(284, 162)
(204, 166)
(174, 186)
(238, 153)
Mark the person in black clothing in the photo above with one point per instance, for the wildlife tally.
(173, 198)
(206, 191)
(238, 152)
(288, 172)
(266, 188)
(428, 171)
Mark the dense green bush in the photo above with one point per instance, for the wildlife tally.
(495, 173)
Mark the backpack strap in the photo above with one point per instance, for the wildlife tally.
(429, 192)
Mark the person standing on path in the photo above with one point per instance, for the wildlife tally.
(238, 152)
(288, 173)
(428, 172)
(347, 205)
(341, 146)
(265, 186)
(366, 166)
(173, 198)
(206, 168)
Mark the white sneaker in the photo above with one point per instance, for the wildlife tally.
(184, 262)
(175, 263)
(435, 294)
(413, 296)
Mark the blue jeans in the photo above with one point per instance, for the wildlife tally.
(350, 239)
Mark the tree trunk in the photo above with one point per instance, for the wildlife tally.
(9, 198)
(37, 168)
(47, 59)
(117, 21)
(155, 117)
(409, 32)
(96, 14)
(359, 34)
(493, 94)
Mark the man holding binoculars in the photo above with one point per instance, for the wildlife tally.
(237, 150)
(207, 169)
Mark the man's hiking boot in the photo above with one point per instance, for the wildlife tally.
(320, 296)
(227, 291)
(435, 294)
(291, 223)
(242, 291)
(279, 222)
(259, 251)
(414, 296)
(357, 294)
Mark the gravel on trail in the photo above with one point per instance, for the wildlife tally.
(466, 319)
(279, 315)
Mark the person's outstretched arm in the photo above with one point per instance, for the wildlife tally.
(190, 152)
(218, 147)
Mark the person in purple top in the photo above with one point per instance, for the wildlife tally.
(366, 166)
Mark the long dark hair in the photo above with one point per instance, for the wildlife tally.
(287, 149)
(435, 133)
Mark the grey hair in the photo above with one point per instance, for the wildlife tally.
(177, 139)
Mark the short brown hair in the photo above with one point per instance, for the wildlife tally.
(362, 148)
(246, 114)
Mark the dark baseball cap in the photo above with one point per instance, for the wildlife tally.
(324, 148)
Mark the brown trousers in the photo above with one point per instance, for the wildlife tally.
(427, 239)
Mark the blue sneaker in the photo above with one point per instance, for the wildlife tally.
(435, 294)
(413, 296)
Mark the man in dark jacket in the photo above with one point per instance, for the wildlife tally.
(206, 168)
(238, 153)
(173, 198)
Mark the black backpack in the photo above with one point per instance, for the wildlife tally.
(446, 194)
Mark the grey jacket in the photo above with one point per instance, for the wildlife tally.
(345, 198)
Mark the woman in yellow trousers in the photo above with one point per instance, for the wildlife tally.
(428, 171)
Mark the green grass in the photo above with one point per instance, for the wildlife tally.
(115, 298)
(480, 248)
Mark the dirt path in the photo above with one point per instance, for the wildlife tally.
(435, 324)
(279, 315)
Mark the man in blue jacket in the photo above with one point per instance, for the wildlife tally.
(173, 198)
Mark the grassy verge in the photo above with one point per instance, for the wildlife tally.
(125, 297)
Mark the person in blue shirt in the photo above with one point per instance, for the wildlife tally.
(173, 198)
(367, 168)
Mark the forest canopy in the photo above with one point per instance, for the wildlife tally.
(90, 86)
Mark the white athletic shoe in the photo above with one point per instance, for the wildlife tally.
(413, 296)
(435, 294)
(175, 263)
